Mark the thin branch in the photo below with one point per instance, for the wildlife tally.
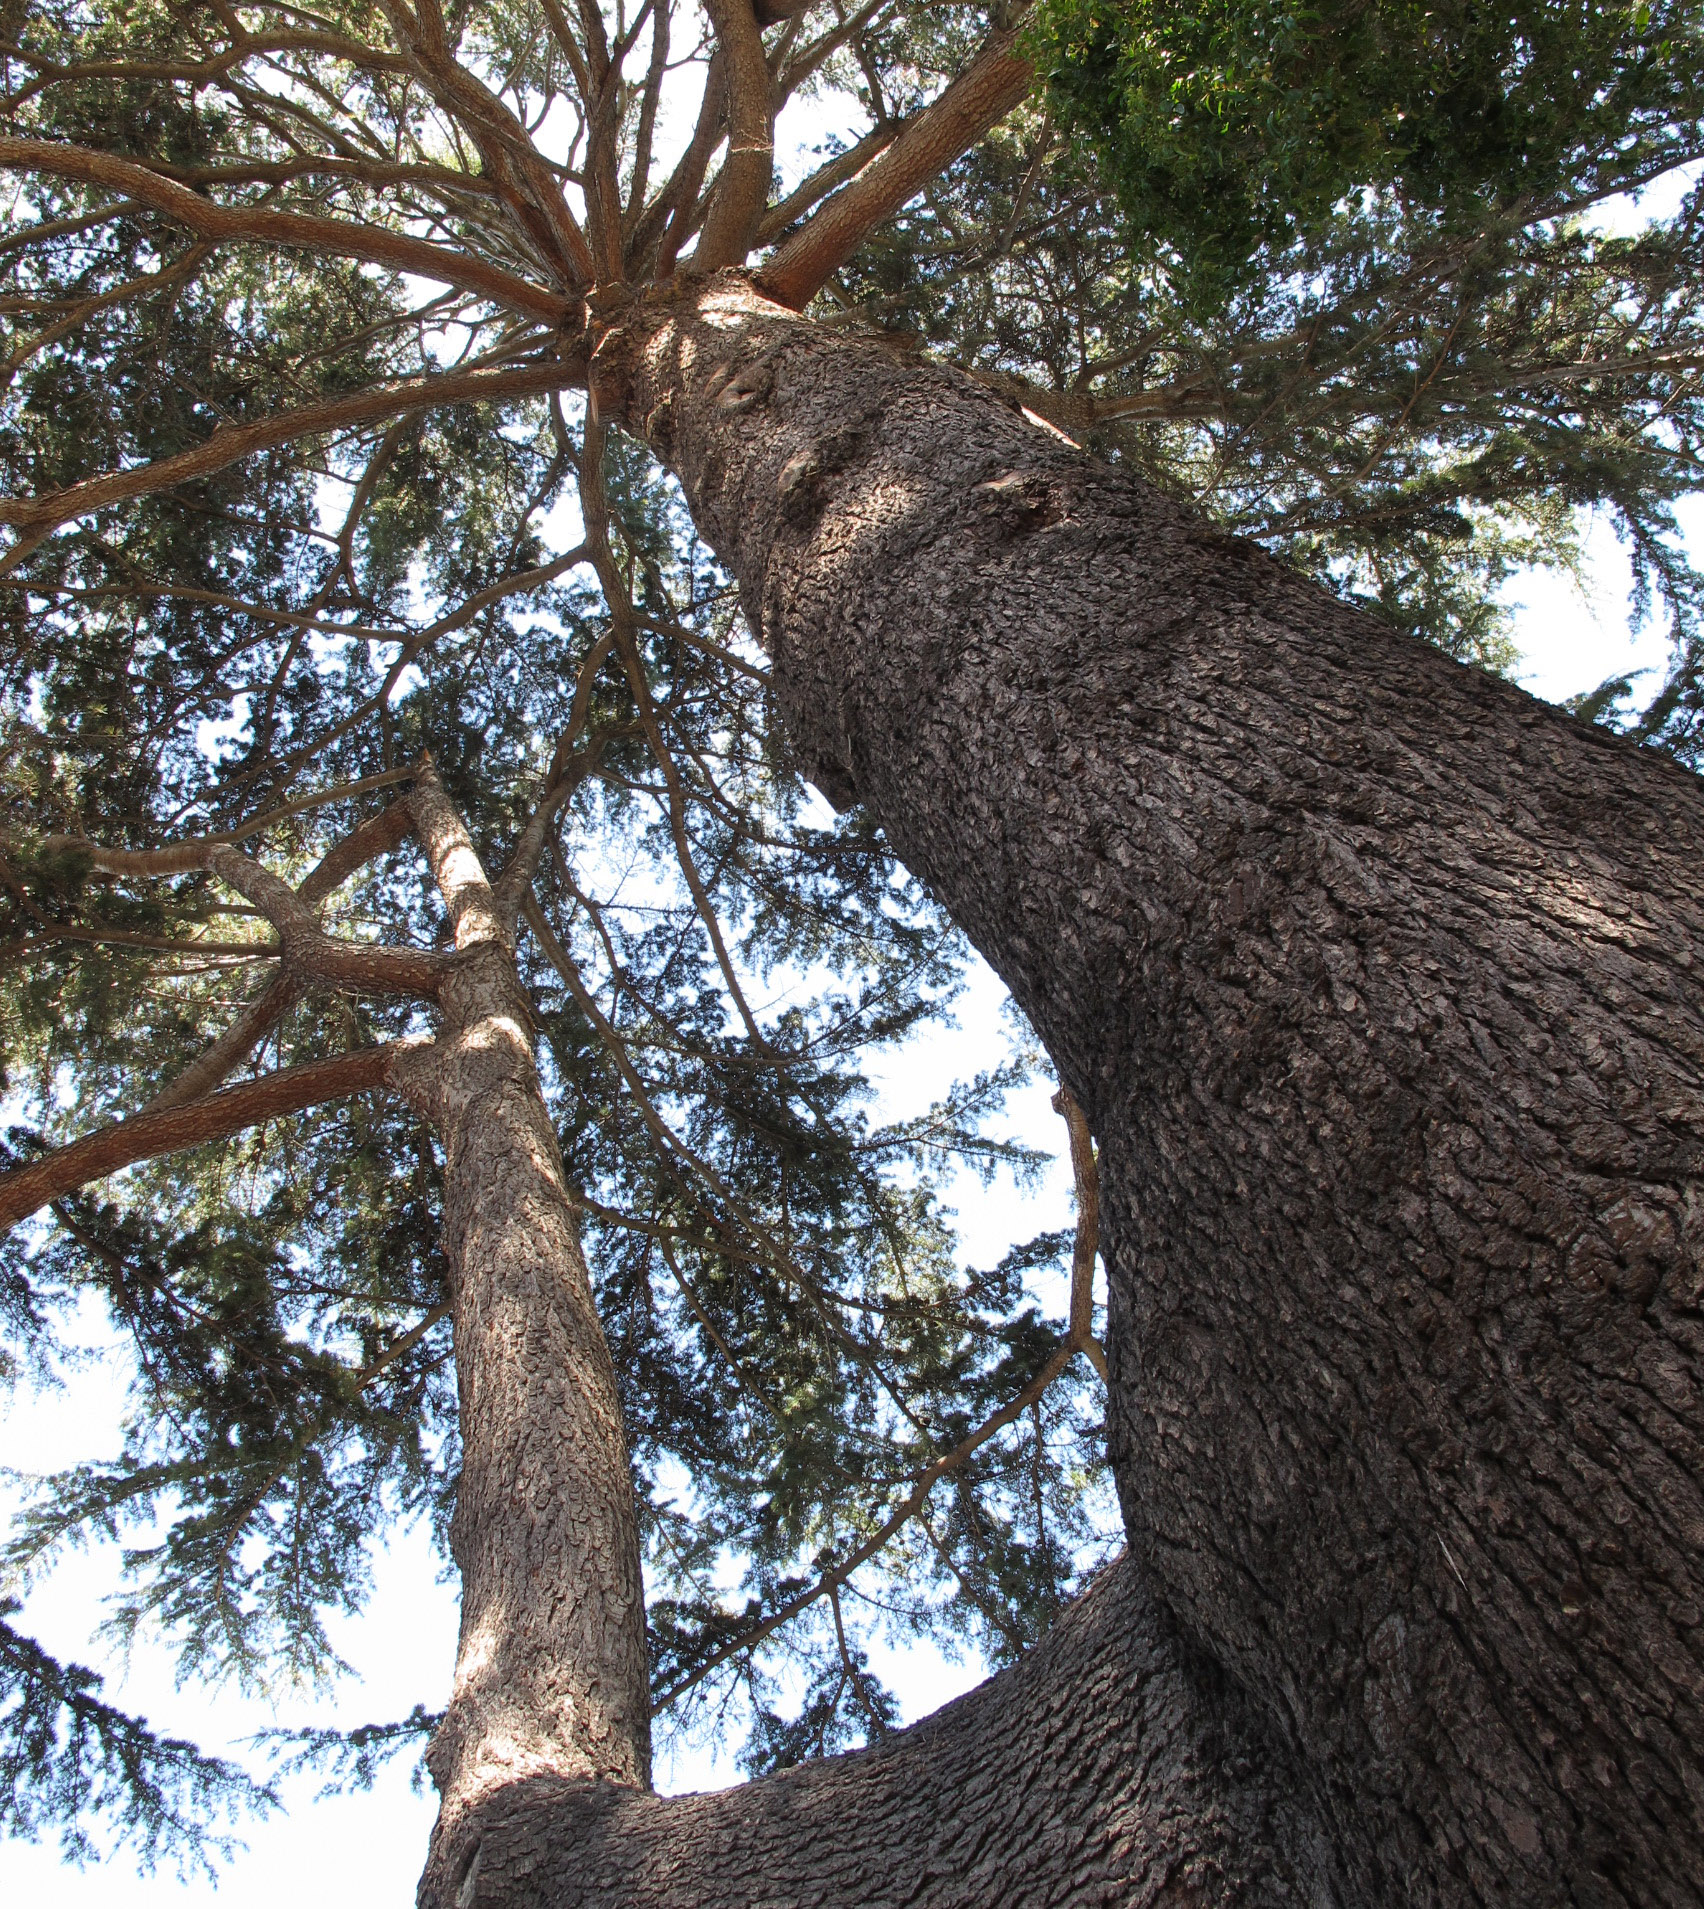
(594, 507)
(233, 1047)
(32, 945)
(230, 442)
(146, 285)
(1078, 1338)
(822, 182)
(903, 1513)
(517, 876)
(710, 1332)
(403, 1343)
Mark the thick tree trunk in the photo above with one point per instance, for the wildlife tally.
(1377, 979)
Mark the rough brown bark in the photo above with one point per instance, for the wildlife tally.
(550, 1675)
(1112, 1766)
(1377, 981)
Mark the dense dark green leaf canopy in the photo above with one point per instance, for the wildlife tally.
(1231, 127)
(1413, 363)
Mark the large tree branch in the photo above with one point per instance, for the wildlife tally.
(258, 1017)
(650, 101)
(742, 188)
(230, 442)
(667, 221)
(378, 835)
(367, 969)
(366, 172)
(995, 81)
(262, 224)
(289, 1091)
(364, 968)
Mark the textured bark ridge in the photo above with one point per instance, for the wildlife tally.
(1378, 982)
(1110, 1767)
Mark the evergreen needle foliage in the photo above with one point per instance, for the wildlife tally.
(68, 1760)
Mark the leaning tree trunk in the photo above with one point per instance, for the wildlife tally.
(1378, 980)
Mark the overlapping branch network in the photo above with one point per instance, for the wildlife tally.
(347, 276)
(423, 155)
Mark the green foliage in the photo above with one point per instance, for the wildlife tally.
(794, 1334)
(1348, 277)
(1410, 401)
(1231, 129)
(67, 1757)
(348, 1760)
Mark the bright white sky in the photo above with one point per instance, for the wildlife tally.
(366, 1849)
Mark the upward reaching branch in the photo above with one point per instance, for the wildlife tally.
(979, 98)
(742, 190)
(455, 863)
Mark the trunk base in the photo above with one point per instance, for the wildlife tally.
(1111, 1765)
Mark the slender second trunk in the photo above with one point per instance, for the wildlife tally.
(551, 1676)
(1378, 981)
